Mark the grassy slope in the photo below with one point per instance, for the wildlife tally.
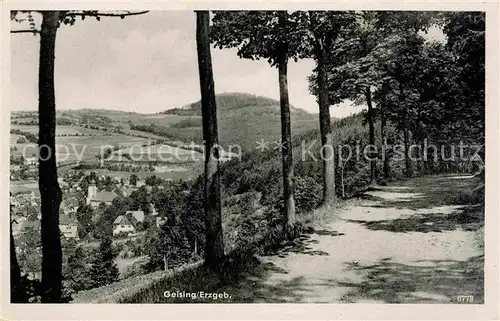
(244, 119)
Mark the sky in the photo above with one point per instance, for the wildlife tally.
(144, 64)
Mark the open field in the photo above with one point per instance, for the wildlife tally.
(72, 148)
(186, 174)
(64, 130)
(154, 153)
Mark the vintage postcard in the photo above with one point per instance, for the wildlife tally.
(250, 160)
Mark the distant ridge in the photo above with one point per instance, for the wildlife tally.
(229, 101)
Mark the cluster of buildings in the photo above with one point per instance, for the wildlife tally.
(25, 210)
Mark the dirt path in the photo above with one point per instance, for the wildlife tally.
(403, 243)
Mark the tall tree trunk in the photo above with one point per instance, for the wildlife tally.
(409, 167)
(16, 292)
(214, 251)
(385, 156)
(286, 130)
(371, 125)
(50, 192)
(324, 120)
(342, 180)
(425, 160)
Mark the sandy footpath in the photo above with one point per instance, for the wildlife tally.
(378, 251)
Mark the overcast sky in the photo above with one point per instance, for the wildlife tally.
(144, 64)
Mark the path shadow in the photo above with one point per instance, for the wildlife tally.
(301, 244)
(470, 218)
(422, 192)
(421, 282)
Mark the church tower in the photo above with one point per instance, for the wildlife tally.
(92, 190)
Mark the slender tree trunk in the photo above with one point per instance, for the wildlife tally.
(286, 130)
(16, 293)
(342, 180)
(214, 251)
(329, 196)
(165, 263)
(423, 154)
(371, 125)
(385, 155)
(409, 168)
(50, 192)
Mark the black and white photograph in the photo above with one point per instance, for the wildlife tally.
(247, 156)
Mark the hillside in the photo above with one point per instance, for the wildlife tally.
(230, 101)
(244, 119)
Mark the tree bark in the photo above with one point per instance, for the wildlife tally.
(385, 156)
(16, 293)
(371, 125)
(329, 196)
(50, 191)
(409, 167)
(286, 131)
(214, 251)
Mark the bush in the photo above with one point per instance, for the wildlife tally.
(308, 193)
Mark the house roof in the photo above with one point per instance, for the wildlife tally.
(118, 219)
(69, 203)
(30, 225)
(138, 215)
(124, 220)
(104, 196)
(67, 220)
(129, 190)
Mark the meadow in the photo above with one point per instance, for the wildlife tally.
(63, 130)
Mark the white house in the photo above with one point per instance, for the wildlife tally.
(68, 225)
(123, 224)
(31, 161)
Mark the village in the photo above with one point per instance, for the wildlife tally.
(81, 191)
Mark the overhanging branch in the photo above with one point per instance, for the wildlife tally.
(121, 15)
(34, 31)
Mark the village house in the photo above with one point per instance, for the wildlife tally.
(124, 225)
(95, 198)
(30, 225)
(31, 161)
(68, 225)
(69, 206)
(160, 221)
